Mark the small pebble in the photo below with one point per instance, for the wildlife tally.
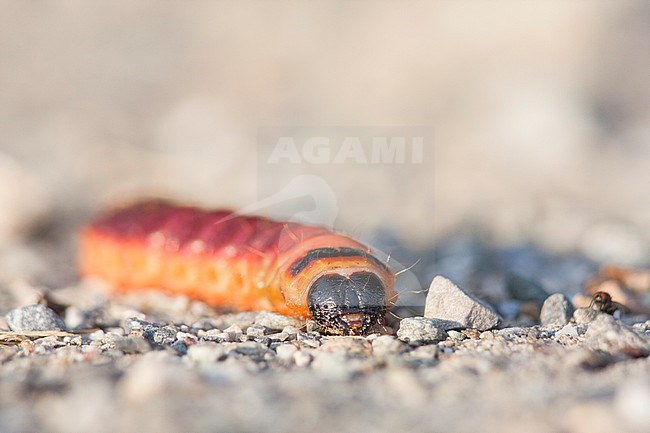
(35, 317)
(446, 301)
(214, 335)
(511, 334)
(256, 331)
(133, 323)
(132, 344)
(313, 326)
(487, 335)
(251, 348)
(456, 335)
(279, 337)
(186, 338)
(420, 330)
(160, 334)
(233, 333)
(584, 316)
(556, 311)
(180, 347)
(264, 340)
(205, 353)
(308, 339)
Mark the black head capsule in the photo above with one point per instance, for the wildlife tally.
(347, 305)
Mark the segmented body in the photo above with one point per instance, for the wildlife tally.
(224, 259)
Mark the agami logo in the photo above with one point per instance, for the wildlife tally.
(359, 150)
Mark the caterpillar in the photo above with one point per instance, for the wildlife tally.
(240, 262)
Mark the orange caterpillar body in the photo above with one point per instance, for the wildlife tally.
(241, 262)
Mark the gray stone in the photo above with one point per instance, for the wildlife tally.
(233, 333)
(180, 347)
(309, 339)
(35, 317)
(251, 348)
(162, 335)
(279, 337)
(583, 316)
(132, 344)
(155, 333)
(256, 331)
(215, 335)
(610, 335)
(133, 324)
(512, 334)
(447, 302)
(556, 311)
(420, 330)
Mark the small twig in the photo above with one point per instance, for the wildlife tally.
(10, 337)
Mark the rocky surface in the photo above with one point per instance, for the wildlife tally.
(136, 367)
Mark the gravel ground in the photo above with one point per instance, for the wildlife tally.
(147, 362)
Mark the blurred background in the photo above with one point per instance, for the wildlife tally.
(538, 117)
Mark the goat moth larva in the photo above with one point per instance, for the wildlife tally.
(240, 262)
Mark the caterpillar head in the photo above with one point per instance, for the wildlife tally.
(347, 304)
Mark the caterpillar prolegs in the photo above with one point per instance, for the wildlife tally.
(240, 262)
